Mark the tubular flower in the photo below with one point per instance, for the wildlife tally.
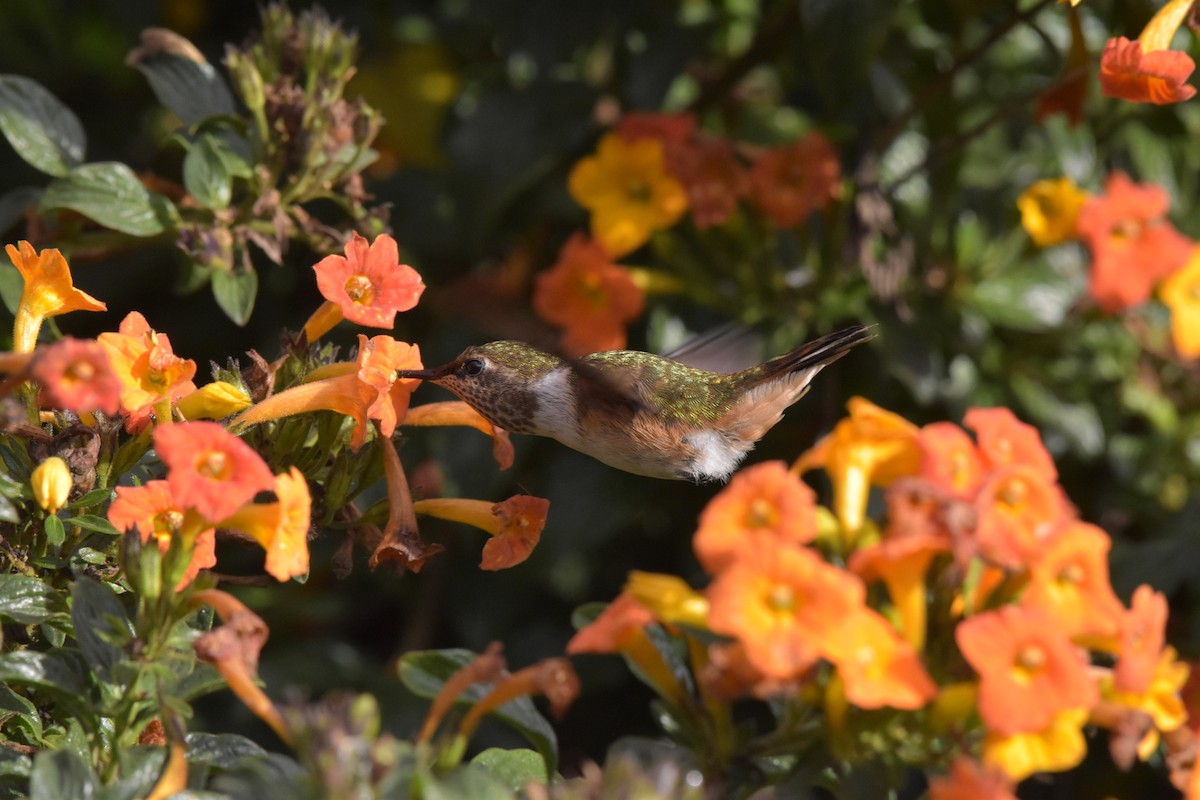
(1141, 640)
(786, 606)
(1069, 581)
(280, 527)
(1050, 209)
(628, 191)
(970, 780)
(1160, 698)
(901, 564)
(210, 469)
(1028, 669)
(871, 447)
(950, 460)
(456, 412)
(763, 507)
(1132, 245)
(1067, 96)
(151, 510)
(76, 375)
(49, 291)
(788, 183)
(51, 482)
(1181, 293)
(1055, 748)
(151, 375)
(515, 525)
(1005, 441)
(669, 598)
(371, 392)
(215, 400)
(1146, 70)
(877, 667)
(1017, 511)
(367, 286)
(588, 296)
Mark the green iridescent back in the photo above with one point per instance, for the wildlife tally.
(682, 393)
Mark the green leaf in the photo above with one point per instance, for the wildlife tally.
(14, 765)
(425, 671)
(205, 174)
(109, 193)
(40, 128)
(99, 618)
(193, 90)
(91, 522)
(465, 783)
(235, 293)
(93, 498)
(56, 534)
(20, 712)
(1029, 297)
(59, 774)
(14, 203)
(517, 768)
(141, 768)
(27, 600)
(59, 672)
(224, 750)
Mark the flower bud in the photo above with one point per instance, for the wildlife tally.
(51, 483)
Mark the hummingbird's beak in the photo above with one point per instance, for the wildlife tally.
(426, 374)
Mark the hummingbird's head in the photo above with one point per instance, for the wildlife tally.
(496, 379)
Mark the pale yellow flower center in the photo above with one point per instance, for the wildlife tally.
(79, 372)
(760, 513)
(1030, 660)
(781, 599)
(360, 289)
(1071, 573)
(213, 464)
(1014, 493)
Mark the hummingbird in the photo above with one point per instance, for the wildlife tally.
(639, 412)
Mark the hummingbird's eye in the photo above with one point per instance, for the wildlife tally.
(473, 367)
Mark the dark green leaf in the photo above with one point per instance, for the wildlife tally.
(109, 193)
(27, 600)
(235, 292)
(425, 671)
(89, 555)
(205, 175)
(91, 522)
(516, 768)
(204, 679)
(93, 498)
(14, 203)
(21, 713)
(1030, 297)
(193, 90)
(59, 774)
(225, 750)
(99, 620)
(14, 765)
(465, 783)
(141, 767)
(56, 534)
(40, 128)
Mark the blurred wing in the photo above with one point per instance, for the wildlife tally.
(725, 349)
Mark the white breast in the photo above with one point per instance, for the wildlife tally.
(555, 415)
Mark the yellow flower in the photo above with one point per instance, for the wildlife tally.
(1057, 747)
(627, 188)
(669, 598)
(51, 483)
(280, 527)
(1181, 293)
(215, 400)
(1049, 209)
(49, 291)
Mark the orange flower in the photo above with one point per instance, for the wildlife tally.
(1057, 747)
(588, 296)
(151, 510)
(1161, 697)
(872, 446)
(1132, 245)
(785, 605)
(456, 412)
(210, 469)
(515, 525)
(714, 179)
(901, 564)
(1146, 70)
(1181, 293)
(970, 780)
(49, 291)
(1017, 511)
(1028, 669)
(150, 373)
(788, 183)
(877, 667)
(763, 507)
(371, 392)
(949, 459)
(368, 286)
(668, 128)
(1069, 93)
(627, 188)
(280, 527)
(1005, 441)
(76, 375)
(1141, 640)
(1068, 581)
(669, 598)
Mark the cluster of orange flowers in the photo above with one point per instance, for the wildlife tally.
(211, 475)
(644, 176)
(1134, 247)
(1035, 646)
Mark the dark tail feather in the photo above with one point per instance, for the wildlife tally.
(817, 353)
